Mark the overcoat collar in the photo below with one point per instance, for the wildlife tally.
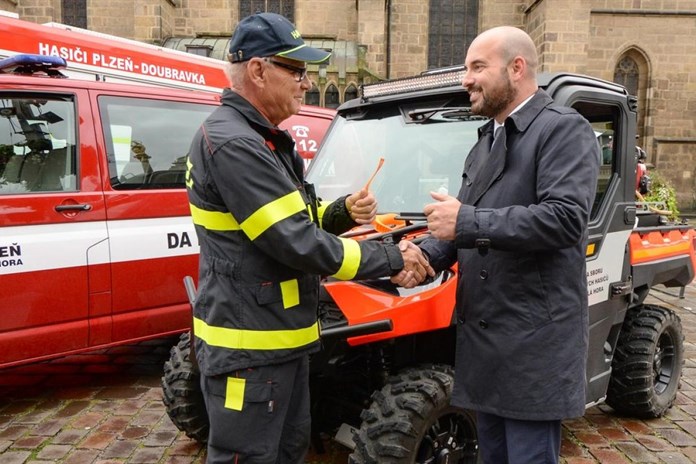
(485, 165)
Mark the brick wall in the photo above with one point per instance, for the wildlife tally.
(8, 5)
(206, 17)
(501, 13)
(586, 36)
(591, 36)
(114, 17)
(39, 11)
(409, 38)
(327, 18)
(666, 44)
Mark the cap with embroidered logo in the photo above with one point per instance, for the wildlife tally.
(270, 34)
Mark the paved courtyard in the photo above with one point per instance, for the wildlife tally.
(106, 408)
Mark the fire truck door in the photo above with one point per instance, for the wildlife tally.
(152, 241)
(53, 238)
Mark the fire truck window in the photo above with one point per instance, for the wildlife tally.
(37, 144)
(147, 141)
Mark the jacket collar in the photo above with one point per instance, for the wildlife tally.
(256, 119)
(485, 165)
(242, 105)
(523, 118)
(278, 140)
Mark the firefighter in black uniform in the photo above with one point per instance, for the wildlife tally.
(265, 239)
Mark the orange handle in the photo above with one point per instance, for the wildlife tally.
(379, 166)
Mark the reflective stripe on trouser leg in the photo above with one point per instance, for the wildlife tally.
(250, 429)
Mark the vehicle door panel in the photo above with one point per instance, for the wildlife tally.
(51, 215)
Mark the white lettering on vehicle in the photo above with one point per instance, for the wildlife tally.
(68, 53)
(171, 73)
(606, 267)
(55, 246)
(102, 60)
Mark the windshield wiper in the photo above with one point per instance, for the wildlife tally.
(444, 114)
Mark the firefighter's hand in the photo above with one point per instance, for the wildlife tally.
(362, 206)
(416, 266)
(442, 216)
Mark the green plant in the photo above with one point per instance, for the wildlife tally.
(662, 190)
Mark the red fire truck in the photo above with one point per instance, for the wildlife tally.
(101, 57)
(95, 233)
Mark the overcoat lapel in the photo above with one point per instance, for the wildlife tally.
(484, 165)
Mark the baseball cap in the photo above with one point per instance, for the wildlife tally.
(270, 34)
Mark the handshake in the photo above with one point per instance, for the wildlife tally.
(441, 216)
(442, 220)
(416, 266)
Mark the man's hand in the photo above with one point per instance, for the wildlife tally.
(362, 206)
(442, 216)
(416, 266)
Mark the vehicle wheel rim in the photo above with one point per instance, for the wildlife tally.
(450, 439)
(663, 362)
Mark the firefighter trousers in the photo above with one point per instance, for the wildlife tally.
(259, 415)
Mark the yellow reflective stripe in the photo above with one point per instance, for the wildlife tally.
(189, 166)
(290, 290)
(351, 259)
(234, 393)
(213, 220)
(302, 46)
(239, 339)
(321, 210)
(273, 212)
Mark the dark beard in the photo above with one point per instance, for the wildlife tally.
(497, 100)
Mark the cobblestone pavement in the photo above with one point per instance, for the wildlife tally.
(106, 408)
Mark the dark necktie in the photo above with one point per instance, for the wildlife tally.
(488, 168)
(498, 137)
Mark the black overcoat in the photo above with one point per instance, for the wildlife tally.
(521, 236)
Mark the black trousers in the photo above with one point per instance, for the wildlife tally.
(511, 441)
(259, 415)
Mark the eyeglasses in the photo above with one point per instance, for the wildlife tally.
(299, 74)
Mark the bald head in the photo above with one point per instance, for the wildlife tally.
(510, 42)
(500, 71)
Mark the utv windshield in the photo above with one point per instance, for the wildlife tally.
(423, 150)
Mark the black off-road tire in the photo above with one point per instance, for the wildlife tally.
(647, 364)
(181, 392)
(411, 421)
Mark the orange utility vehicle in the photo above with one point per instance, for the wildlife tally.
(381, 384)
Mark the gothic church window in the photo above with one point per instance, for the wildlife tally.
(453, 26)
(312, 96)
(632, 70)
(282, 7)
(331, 97)
(626, 73)
(350, 93)
(74, 13)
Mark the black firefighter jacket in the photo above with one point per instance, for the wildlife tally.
(264, 243)
(521, 233)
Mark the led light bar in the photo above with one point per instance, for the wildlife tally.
(436, 79)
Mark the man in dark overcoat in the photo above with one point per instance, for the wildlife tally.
(518, 231)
